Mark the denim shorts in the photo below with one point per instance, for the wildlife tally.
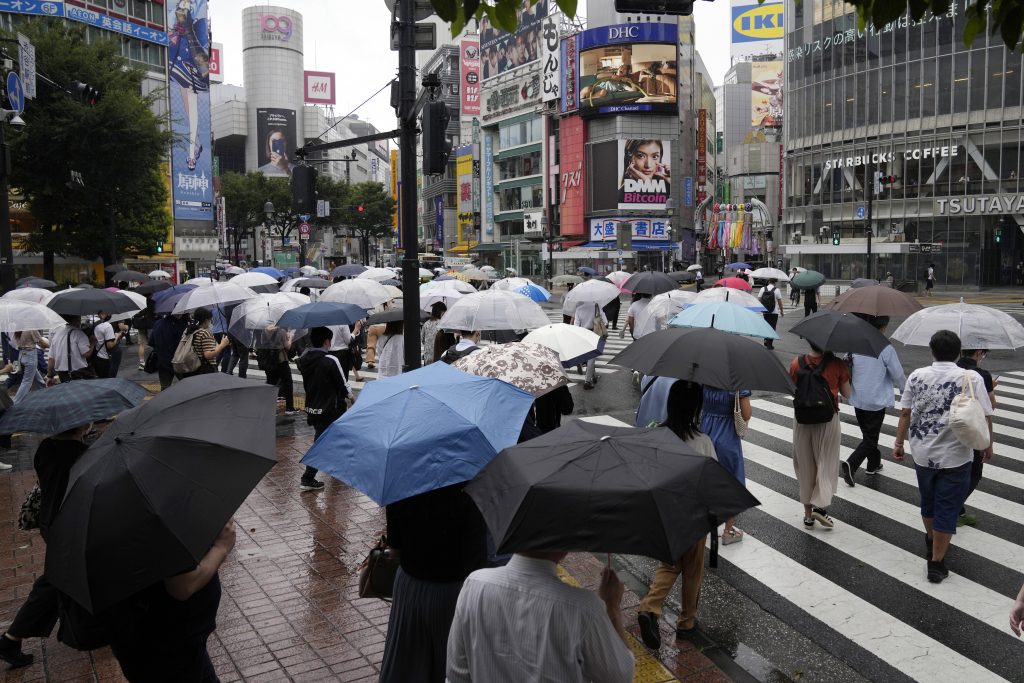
(943, 493)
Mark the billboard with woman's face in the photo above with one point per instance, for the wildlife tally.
(645, 179)
(275, 141)
(501, 51)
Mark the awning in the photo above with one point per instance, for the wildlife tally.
(572, 243)
(489, 246)
(461, 249)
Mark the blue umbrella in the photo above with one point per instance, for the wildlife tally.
(269, 270)
(167, 304)
(292, 271)
(176, 289)
(588, 271)
(726, 317)
(321, 313)
(420, 431)
(391, 281)
(70, 404)
(348, 270)
(535, 292)
(739, 265)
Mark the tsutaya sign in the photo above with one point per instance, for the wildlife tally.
(888, 157)
(996, 205)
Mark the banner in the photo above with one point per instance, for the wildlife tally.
(569, 76)
(766, 94)
(394, 188)
(645, 229)
(439, 222)
(702, 147)
(188, 58)
(644, 174)
(275, 141)
(502, 51)
(464, 175)
(470, 69)
(488, 184)
(217, 63)
(522, 91)
(551, 57)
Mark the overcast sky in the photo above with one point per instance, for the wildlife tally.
(351, 38)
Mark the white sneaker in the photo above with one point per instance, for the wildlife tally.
(4, 467)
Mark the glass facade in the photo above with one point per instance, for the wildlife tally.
(930, 119)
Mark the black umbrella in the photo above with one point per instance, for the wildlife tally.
(148, 498)
(650, 282)
(313, 283)
(71, 404)
(348, 270)
(863, 282)
(37, 282)
(392, 315)
(841, 333)
(130, 276)
(683, 276)
(115, 267)
(91, 302)
(152, 287)
(594, 488)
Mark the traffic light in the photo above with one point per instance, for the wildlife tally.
(835, 237)
(999, 235)
(304, 190)
(436, 143)
(85, 93)
(160, 247)
(888, 180)
(359, 209)
(676, 7)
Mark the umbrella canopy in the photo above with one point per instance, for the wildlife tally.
(152, 287)
(510, 284)
(268, 270)
(439, 294)
(307, 270)
(733, 296)
(808, 279)
(562, 280)
(253, 279)
(734, 283)
(681, 276)
(864, 282)
(979, 327)
(115, 267)
(28, 294)
(159, 274)
(348, 270)
(377, 274)
(129, 276)
(37, 283)
(533, 368)
(618, 277)
(91, 302)
(312, 283)
(320, 313)
(16, 316)
(591, 292)
(721, 315)
(589, 487)
(71, 404)
(486, 268)
(165, 294)
(694, 267)
(391, 282)
(494, 309)
(393, 291)
(876, 300)
(649, 282)
(534, 292)
(573, 344)
(420, 431)
(361, 292)
(83, 285)
(707, 356)
(217, 294)
(587, 270)
(451, 284)
(770, 274)
(136, 297)
(739, 265)
(457, 276)
(254, 321)
(425, 274)
(146, 501)
(841, 333)
(662, 308)
(234, 270)
(475, 274)
(391, 315)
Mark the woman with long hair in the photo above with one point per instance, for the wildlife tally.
(718, 421)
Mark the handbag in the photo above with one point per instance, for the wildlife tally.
(600, 327)
(967, 418)
(377, 572)
(737, 417)
(357, 354)
(28, 518)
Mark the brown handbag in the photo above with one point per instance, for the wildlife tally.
(377, 572)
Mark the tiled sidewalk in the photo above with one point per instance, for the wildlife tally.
(289, 611)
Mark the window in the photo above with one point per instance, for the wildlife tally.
(944, 86)
(961, 79)
(977, 83)
(996, 77)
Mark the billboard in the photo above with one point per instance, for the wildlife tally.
(551, 57)
(216, 63)
(569, 76)
(439, 222)
(627, 68)
(188, 60)
(756, 29)
(464, 176)
(470, 70)
(702, 147)
(488, 184)
(394, 188)
(645, 228)
(645, 179)
(502, 51)
(572, 134)
(766, 94)
(275, 141)
(519, 92)
(318, 87)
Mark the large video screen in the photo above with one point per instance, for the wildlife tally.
(628, 77)
(501, 51)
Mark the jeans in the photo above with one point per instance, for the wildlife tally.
(29, 373)
(870, 422)
(591, 376)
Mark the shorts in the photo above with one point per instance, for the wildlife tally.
(929, 284)
(943, 493)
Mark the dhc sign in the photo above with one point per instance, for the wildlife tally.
(757, 22)
(627, 33)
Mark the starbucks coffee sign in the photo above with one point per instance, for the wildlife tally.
(992, 205)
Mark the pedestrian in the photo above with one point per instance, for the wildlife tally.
(771, 298)
(942, 463)
(327, 394)
(587, 316)
(521, 622)
(640, 302)
(718, 421)
(373, 333)
(277, 368)
(468, 342)
(143, 323)
(164, 337)
(221, 321)
(611, 312)
(969, 359)
(345, 347)
(700, 280)
(107, 340)
(391, 349)
(810, 301)
(820, 378)
(30, 345)
(203, 342)
(439, 538)
(70, 353)
(929, 280)
(890, 280)
(685, 400)
(872, 382)
(429, 331)
(239, 357)
(1017, 613)
(37, 616)
(549, 408)
(794, 291)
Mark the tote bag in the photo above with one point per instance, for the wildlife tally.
(967, 418)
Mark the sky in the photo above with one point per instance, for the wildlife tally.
(351, 38)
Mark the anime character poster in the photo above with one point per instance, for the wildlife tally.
(645, 178)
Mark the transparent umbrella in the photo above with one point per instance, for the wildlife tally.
(979, 327)
(733, 296)
(661, 309)
(254, 322)
(589, 292)
(362, 292)
(211, 296)
(16, 316)
(494, 309)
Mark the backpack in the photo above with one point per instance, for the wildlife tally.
(451, 355)
(767, 299)
(185, 359)
(813, 402)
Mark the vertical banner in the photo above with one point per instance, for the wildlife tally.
(27, 66)
(188, 62)
(470, 69)
(488, 184)
(569, 68)
(216, 63)
(644, 174)
(439, 222)
(464, 175)
(550, 58)
(275, 141)
(766, 94)
(394, 188)
(702, 148)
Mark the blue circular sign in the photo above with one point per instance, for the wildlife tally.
(15, 93)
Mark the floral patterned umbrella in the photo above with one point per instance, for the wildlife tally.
(533, 368)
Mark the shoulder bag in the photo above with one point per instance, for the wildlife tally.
(967, 418)
(737, 417)
(377, 572)
(600, 328)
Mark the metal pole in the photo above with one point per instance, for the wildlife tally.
(867, 212)
(6, 248)
(407, 152)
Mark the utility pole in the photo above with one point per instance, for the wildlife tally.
(407, 155)
(870, 187)
(6, 246)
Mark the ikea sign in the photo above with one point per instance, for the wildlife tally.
(757, 22)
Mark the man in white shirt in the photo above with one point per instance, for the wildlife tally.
(772, 312)
(522, 623)
(584, 316)
(635, 308)
(943, 464)
(106, 341)
(62, 362)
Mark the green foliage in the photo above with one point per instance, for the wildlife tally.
(375, 220)
(501, 13)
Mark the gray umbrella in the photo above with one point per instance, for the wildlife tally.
(841, 333)
(130, 276)
(91, 302)
(68, 405)
(649, 282)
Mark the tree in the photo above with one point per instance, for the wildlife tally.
(117, 146)
(244, 196)
(374, 221)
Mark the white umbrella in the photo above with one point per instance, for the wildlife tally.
(618, 277)
(487, 269)
(979, 327)
(662, 308)
(510, 284)
(570, 342)
(217, 294)
(323, 273)
(475, 274)
(288, 286)
(439, 294)
(457, 285)
(592, 291)
(733, 296)
(16, 316)
(252, 279)
(366, 294)
(376, 274)
(234, 270)
(200, 281)
(33, 295)
(253, 321)
(494, 309)
(424, 273)
(770, 274)
(395, 292)
(695, 267)
(307, 270)
(159, 274)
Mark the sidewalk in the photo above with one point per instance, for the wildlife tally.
(289, 611)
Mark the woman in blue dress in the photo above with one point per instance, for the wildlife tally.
(718, 422)
(190, 66)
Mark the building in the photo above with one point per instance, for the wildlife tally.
(438, 204)
(906, 133)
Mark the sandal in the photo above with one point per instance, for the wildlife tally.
(733, 535)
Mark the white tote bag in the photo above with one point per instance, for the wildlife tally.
(967, 418)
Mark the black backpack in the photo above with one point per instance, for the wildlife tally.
(813, 401)
(452, 355)
(768, 299)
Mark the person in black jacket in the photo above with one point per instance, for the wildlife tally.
(327, 395)
(164, 338)
(550, 408)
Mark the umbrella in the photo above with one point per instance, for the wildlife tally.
(313, 283)
(573, 344)
(510, 284)
(770, 274)
(734, 283)
(494, 309)
(38, 283)
(420, 431)
(393, 292)
(979, 327)
(253, 279)
(841, 333)
(618, 277)
(877, 301)
(377, 274)
(71, 404)
(662, 308)
(254, 321)
(649, 282)
(129, 276)
(425, 274)
(727, 317)
(234, 270)
(307, 270)
(589, 487)
(808, 279)
(292, 272)
(358, 291)
(391, 282)
(439, 294)
(683, 276)
(591, 292)
(458, 276)
(475, 274)
(164, 294)
(268, 270)
(320, 313)
(694, 268)
(739, 265)
(28, 294)
(707, 356)
(83, 285)
(148, 498)
(486, 268)
(562, 280)
(453, 284)
(588, 271)
(16, 316)
(864, 282)
(152, 287)
(158, 274)
(137, 298)
(534, 368)
(391, 315)
(733, 296)
(534, 292)
(348, 270)
(217, 294)
(115, 267)
(91, 302)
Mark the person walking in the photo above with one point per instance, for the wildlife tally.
(969, 359)
(718, 421)
(942, 463)
(611, 312)
(203, 343)
(345, 348)
(143, 323)
(429, 331)
(872, 382)
(373, 333)
(278, 369)
(640, 302)
(810, 301)
(468, 342)
(699, 280)
(107, 340)
(820, 378)
(327, 394)
(390, 350)
(30, 345)
(794, 292)
(164, 337)
(587, 316)
(70, 352)
(771, 298)
(929, 280)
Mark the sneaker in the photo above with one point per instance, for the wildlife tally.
(847, 472)
(966, 520)
(809, 522)
(314, 485)
(937, 571)
(588, 385)
(4, 467)
(636, 379)
(685, 633)
(874, 470)
(142, 366)
(10, 652)
(821, 515)
(649, 629)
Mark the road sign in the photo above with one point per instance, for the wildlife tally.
(15, 92)
(620, 253)
(861, 213)
(304, 229)
(27, 60)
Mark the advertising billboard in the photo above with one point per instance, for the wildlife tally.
(488, 184)
(569, 76)
(502, 51)
(318, 87)
(628, 68)
(645, 228)
(439, 222)
(188, 61)
(464, 175)
(551, 58)
(572, 134)
(275, 141)
(766, 94)
(645, 178)
(702, 147)
(520, 92)
(756, 29)
(469, 49)
(216, 63)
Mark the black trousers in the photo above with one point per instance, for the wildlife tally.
(977, 466)
(870, 422)
(310, 474)
(102, 366)
(239, 357)
(773, 320)
(810, 306)
(38, 615)
(281, 377)
(166, 377)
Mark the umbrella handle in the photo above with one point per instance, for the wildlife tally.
(713, 557)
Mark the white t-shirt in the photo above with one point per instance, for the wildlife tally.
(59, 348)
(342, 336)
(585, 314)
(778, 296)
(104, 332)
(931, 273)
(637, 307)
